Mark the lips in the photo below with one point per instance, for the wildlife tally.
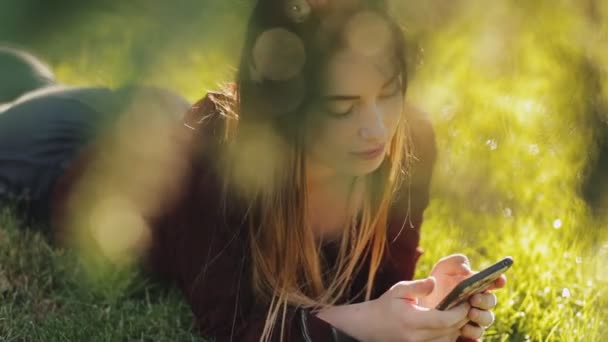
(370, 154)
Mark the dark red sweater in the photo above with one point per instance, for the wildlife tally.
(205, 250)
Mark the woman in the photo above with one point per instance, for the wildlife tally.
(288, 206)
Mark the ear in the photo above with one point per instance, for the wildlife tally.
(298, 10)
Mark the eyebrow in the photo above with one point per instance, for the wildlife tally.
(355, 97)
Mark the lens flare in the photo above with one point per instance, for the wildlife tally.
(259, 154)
(134, 175)
(278, 54)
(119, 230)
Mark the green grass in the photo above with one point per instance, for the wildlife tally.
(511, 89)
(513, 98)
(556, 289)
(48, 294)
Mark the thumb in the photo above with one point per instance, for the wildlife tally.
(413, 289)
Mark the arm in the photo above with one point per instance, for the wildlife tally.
(395, 316)
(353, 318)
(221, 298)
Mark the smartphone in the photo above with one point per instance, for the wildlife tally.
(476, 283)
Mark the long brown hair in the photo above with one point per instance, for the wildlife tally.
(271, 106)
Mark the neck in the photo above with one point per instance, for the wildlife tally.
(320, 178)
(330, 196)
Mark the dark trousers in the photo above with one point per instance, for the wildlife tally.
(38, 139)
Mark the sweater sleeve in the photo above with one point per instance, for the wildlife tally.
(406, 213)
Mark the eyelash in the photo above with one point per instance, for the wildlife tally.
(350, 110)
(343, 114)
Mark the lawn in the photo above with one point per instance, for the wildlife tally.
(50, 295)
(514, 92)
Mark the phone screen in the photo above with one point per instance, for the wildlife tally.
(476, 283)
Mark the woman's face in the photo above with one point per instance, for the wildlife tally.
(350, 129)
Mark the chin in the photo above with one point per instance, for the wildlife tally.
(365, 167)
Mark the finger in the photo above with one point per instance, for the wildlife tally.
(499, 283)
(481, 317)
(430, 334)
(456, 263)
(448, 319)
(440, 334)
(413, 289)
(484, 301)
(471, 331)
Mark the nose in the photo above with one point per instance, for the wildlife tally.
(373, 129)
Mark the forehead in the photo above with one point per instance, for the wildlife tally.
(348, 68)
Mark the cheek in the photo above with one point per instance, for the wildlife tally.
(330, 139)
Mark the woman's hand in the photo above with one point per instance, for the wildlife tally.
(480, 315)
(448, 272)
(396, 316)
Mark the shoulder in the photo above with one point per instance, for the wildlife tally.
(212, 112)
(421, 153)
(413, 194)
(422, 137)
(208, 124)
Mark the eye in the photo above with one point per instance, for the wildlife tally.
(393, 89)
(339, 110)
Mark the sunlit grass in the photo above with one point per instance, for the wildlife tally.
(515, 133)
(555, 288)
(48, 294)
